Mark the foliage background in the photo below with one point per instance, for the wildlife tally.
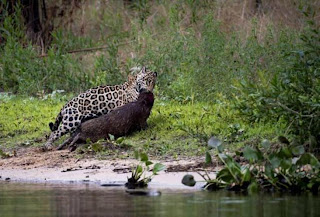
(247, 54)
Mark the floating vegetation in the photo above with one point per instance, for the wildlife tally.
(286, 168)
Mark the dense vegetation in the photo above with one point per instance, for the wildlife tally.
(285, 168)
(240, 72)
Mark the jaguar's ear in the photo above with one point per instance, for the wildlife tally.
(144, 70)
(135, 70)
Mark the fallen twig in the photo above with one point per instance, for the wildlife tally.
(81, 168)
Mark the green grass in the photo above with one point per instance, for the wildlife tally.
(24, 120)
(175, 129)
(199, 59)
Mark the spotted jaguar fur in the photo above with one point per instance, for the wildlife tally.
(97, 101)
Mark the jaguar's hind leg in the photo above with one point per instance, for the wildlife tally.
(70, 123)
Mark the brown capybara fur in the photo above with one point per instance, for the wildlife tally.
(119, 122)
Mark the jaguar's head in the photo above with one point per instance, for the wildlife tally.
(145, 79)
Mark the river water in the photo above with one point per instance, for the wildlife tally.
(21, 199)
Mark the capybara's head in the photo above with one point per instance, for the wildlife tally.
(146, 97)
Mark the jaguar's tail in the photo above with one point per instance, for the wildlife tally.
(54, 126)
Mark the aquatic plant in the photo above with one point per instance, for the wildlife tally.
(139, 178)
(286, 168)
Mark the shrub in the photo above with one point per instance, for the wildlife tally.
(292, 94)
(288, 168)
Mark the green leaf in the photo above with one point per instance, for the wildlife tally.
(136, 154)
(111, 137)
(96, 147)
(308, 158)
(157, 168)
(225, 176)
(265, 144)
(214, 142)
(250, 154)
(297, 150)
(222, 157)
(221, 148)
(269, 172)
(119, 140)
(144, 157)
(208, 158)
(138, 169)
(275, 162)
(285, 152)
(253, 187)
(188, 180)
(239, 153)
(285, 164)
(246, 174)
(148, 163)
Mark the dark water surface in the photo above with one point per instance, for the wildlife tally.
(20, 199)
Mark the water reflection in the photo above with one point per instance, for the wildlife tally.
(18, 199)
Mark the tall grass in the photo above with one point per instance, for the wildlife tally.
(189, 43)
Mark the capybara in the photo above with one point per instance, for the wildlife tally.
(119, 122)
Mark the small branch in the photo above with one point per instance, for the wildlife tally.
(293, 111)
(287, 130)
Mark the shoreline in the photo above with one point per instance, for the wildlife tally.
(63, 167)
(165, 180)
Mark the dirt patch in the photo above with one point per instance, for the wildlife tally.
(32, 157)
(27, 158)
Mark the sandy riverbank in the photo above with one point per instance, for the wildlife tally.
(32, 165)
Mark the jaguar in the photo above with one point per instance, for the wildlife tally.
(122, 121)
(98, 101)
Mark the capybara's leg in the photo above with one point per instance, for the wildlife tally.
(73, 144)
(65, 143)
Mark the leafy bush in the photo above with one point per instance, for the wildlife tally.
(24, 71)
(185, 43)
(292, 94)
(194, 68)
(288, 168)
